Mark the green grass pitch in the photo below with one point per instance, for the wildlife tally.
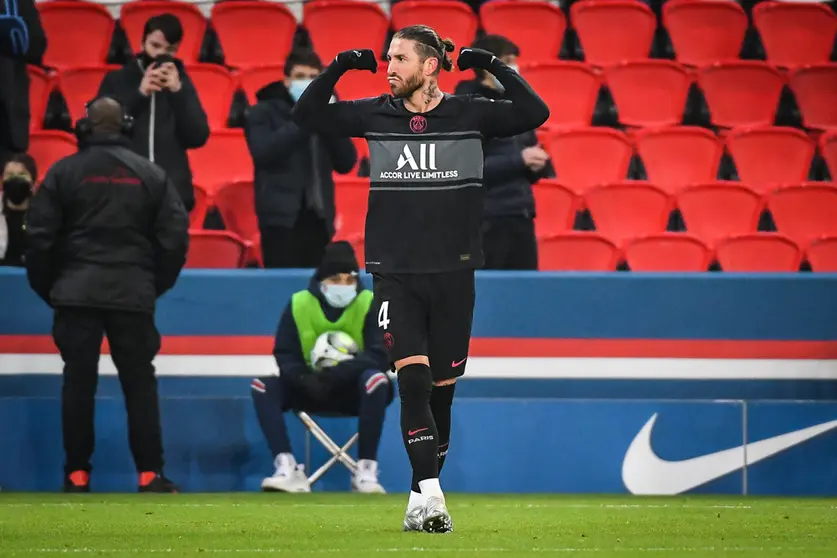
(254, 524)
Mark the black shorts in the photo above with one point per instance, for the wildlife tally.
(427, 314)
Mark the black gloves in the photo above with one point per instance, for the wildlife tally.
(314, 385)
(358, 60)
(474, 58)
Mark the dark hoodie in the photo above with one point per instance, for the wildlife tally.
(288, 350)
(179, 122)
(292, 168)
(506, 179)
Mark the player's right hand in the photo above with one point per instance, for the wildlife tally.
(363, 59)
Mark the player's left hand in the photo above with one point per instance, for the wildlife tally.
(474, 58)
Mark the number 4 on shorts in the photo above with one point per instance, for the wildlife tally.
(383, 319)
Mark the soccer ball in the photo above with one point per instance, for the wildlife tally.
(332, 347)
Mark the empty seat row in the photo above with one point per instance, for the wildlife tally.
(649, 93)
(682, 252)
(677, 156)
(655, 92)
(701, 31)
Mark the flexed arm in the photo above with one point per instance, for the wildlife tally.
(314, 111)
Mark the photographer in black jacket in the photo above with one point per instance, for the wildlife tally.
(106, 235)
(168, 116)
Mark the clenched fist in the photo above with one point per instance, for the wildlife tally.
(363, 59)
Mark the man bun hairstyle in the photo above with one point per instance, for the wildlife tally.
(429, 44)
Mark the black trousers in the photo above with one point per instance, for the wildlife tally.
(134, 342)
(509, 243)
(301, 246)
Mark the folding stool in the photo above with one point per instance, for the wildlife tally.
(338, 453)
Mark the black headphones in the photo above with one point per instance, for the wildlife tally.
(84, 127)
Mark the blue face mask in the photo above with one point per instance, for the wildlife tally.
(297, 87)
(339, 296)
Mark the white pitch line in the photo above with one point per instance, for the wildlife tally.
(297, 551)
(278, 504)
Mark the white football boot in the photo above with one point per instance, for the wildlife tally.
(365, 479)
(414, 516)
(288, 477)
(436, 516)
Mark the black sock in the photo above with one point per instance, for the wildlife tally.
(417, 426)
(441, 401)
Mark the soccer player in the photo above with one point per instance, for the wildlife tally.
(423, 222)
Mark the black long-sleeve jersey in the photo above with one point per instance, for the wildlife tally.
(426, 195)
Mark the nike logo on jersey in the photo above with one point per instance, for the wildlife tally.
(414, 432)
(643, 472)
(455, 364)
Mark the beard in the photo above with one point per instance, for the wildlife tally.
(404, 89)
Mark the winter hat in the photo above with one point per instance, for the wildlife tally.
(339, 257)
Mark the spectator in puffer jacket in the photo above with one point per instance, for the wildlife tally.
(512, 165)
(293, 170)
(168, 116)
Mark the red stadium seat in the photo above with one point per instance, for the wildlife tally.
(758, 252)
(555, 207)
(48, 146)
(202, 203)
(515, 21)
(80, 85)
(215, 250)
(40, 86)
(588, 157)
(253, 33)
(252, 79)
(577, 251)
(216, 87)
(649, 92)
(359, 85)
(741, 93)
(822, 254)
(770, 156)
(795, 33)
(573, 102)
(449, 80)
(351, 195)
(359, 245)
(715, 211)
(628, 210)
(805, 212)
(67, 45)
(679, 156)
(338, 25)
(224, 158)
(452, 20)
(236, 204)
(703, 32)
(612, 31)
(134, 15)
(815, 89)
(667, 252)
(828, 150)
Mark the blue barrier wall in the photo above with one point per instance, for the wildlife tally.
(737, 372)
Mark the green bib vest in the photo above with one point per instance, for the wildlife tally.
(311, 321)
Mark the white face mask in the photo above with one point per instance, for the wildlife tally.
(339, 296)
(298, 87)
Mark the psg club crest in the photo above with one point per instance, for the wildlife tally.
(418, 124)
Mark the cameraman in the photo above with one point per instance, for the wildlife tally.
(107, 235)
(334, 301)
(19, 175)
(169, 118)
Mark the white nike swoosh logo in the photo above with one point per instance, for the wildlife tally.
(643, 472)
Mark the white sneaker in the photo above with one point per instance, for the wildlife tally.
(436, 516)
(288, 477)
(365, 479)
